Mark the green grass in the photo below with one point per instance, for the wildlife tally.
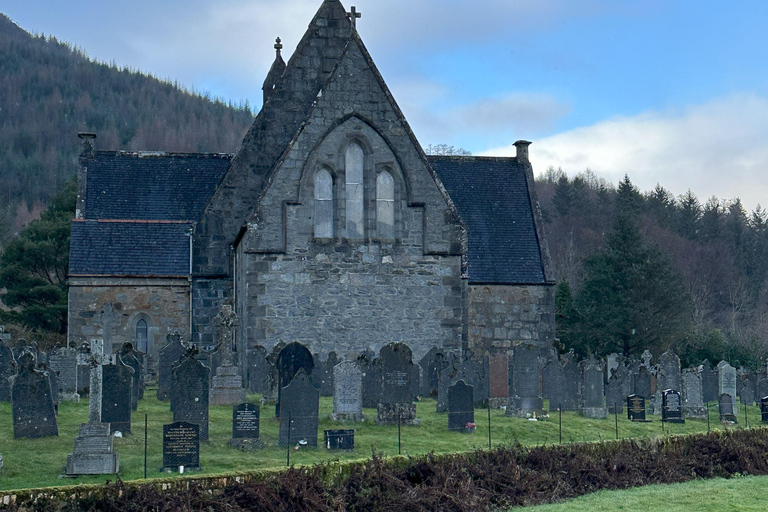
(716, 495)
(31, 463)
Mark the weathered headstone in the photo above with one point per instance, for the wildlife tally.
(371, 379)
(299, 408)
(32, 404)
(647, 357)
(764, 409)
(526, 382)
(258, 370)
(245, 427)
(326, 382)
(190, 398)
(129, 359)
(498, 377)
(227, 386)
(592, 392)
(762, 387)
(461, 406)
(348, 392)
(84, 369)
(170, 354)
(63, 361)
(614, 394)
(671, 407)
(94, 452)
(7, 370)
(53, 379)
(482, 383)
(726, 408)
(636, 408)
(564, 387)
(117, 396)
(612, 362)
(396, 400)
(693, 404)
(19, 348)
(668, 375)
(434, 362)
(340, 439)
(643, 382)
(708, 383)
(181, 445)
(726, 382)
(291, 359)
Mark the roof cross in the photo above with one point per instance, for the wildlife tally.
(353, 16)
(278, 45)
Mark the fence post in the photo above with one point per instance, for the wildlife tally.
(489, 424)
(146, 428)
(707, 416)
(560, 414)
(746, 418)
(288, 457)
(399, 415)
(616, 417)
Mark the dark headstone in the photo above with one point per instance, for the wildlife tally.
(190, 399)
(371, 379)
(747, 393)
(348, 393)
(117, 396)
(7, 370)
(33, 412)
(725, 406)
(293, 358)
(498, 379)
(63, 361)
(181, 445)
(564, 387)
(592, 391)
(434, 362)
(614, 394)
(129, 359)
(53, 379)
(708, 383)
(396, 401)
(170, 355)
(461, 406)
(258, 370)
(643, 382)
(19, 348)
(762, 387)
(668, 376)
(764, 409)
(693, 404)
(526, 382)
(83, 369)
(635, 408)
(340, 439)
(482, 383)
(671, 407)
(299, 408)
(245, 421)
(326, 383)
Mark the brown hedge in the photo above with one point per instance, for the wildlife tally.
(482, 480)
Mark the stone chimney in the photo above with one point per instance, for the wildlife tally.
(86, 154)
(522, 151)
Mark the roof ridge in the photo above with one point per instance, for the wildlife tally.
(161, 154)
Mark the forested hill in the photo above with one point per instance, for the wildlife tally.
(50, 91)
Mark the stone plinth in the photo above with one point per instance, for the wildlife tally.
(227, 386)
(94, 452)
(595, 412)
(388, 413)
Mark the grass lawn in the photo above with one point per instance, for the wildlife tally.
(717, 495)
(33, 463)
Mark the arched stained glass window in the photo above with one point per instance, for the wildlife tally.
(323, 204)
(354, 184)
(385, 205)
(141, 335)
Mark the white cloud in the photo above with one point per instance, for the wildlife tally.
(717, 148)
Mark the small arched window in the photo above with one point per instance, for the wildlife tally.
(141, 335)
(354, 183)
(385, 205)
(323, 204)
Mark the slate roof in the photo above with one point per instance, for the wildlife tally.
(493, 199)
(125, 248)
(151, 186)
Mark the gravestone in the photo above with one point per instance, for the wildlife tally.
(764, 409)
(63, 361)
(762, 387)
(671, 407)
(340, 439)
(169, 355)
(726, 382)
(448, 377)
(482, 383)
(747, 393)
(299, 408)
(708, 383)
(371, 380)
(548, 375)
(258, 370)
(291, 359)
(643, 382)
(434, 362)
(7, 370)
(348, 392)
(564, 387)
(93, 452)
(396, 401)
(614, 394)
(526, 382)
(53, 379)
(245, 427)
(592, 393)
(83, 369)
(461, 406)
(498, 378)
(636, 408)
(32, 403)
(117, 396)
(19, 348)
(181, 445)
(129, 359)
(227, 386)
(647, 357)
(726, 408)
(693, 404)
(668, 375)
(190, 399)
(326, 382)
(612, 362)
(416, 381)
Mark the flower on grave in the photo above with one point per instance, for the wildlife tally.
(471, 425)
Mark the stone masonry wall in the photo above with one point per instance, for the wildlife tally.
(109, 308)
(502, 315)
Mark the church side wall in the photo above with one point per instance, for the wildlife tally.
(208, 295)
(501, 316)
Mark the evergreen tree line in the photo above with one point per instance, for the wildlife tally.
(654, 271)
(50, 91)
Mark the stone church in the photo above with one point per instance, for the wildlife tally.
(330, 226)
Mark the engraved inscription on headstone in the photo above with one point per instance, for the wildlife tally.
(348, 392)
(396, 400)
(190, 398)
(635, 408)
(726, 380)
(245, 421)
(181, 445)
(671, 407)
(299, 410)
(63, 361)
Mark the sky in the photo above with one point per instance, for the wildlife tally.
(672, 92)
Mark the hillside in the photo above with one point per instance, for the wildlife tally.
(50, 91)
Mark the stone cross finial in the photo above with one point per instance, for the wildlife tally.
(97, 360)
(228, 322)
(353, 16)
(278, 45)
